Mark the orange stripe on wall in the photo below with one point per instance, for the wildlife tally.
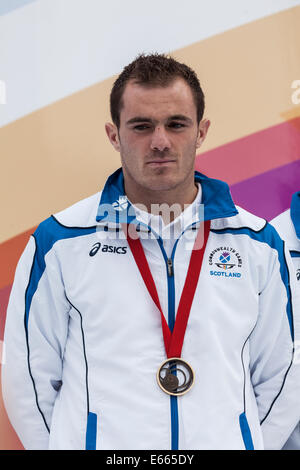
(4, 298)
(10, 252)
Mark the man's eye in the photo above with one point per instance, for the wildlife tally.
(176, 125)
(141, 127)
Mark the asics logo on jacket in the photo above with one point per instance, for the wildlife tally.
(108, 249)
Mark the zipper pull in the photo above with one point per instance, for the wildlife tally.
(170, 267)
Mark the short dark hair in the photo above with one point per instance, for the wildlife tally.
(154, 70)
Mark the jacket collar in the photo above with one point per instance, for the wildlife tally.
(295, 212)
(115, 208)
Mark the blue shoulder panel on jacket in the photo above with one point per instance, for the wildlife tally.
(47, 233)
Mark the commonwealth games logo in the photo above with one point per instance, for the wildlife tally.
(225, 258)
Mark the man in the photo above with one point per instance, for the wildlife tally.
(128, 328)
(288, 226)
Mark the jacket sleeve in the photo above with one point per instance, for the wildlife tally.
(275, 370)
(34, 340)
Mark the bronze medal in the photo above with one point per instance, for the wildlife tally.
(175, 376)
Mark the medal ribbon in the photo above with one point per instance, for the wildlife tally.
(173, 341)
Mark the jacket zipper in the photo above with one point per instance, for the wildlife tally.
(171, 322)
(173, 399)
(170, 267)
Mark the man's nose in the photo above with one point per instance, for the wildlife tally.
(160, 140)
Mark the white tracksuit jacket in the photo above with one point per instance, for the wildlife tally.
(288, 226)
(84, 338)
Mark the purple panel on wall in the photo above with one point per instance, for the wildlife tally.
(270, 193)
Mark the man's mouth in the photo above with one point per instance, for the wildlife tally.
(160, 162)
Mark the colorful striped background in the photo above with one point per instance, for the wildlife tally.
(56, 152)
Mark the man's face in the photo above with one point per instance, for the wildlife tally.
(158, 135)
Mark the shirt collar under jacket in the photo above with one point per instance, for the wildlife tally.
(187, 216)
(295, 212)
(115, 208)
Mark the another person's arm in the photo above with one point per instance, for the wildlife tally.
(275, 368)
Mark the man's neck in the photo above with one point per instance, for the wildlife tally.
(168, 203)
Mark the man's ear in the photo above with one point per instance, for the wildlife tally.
(202, 131)
(113, 135)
